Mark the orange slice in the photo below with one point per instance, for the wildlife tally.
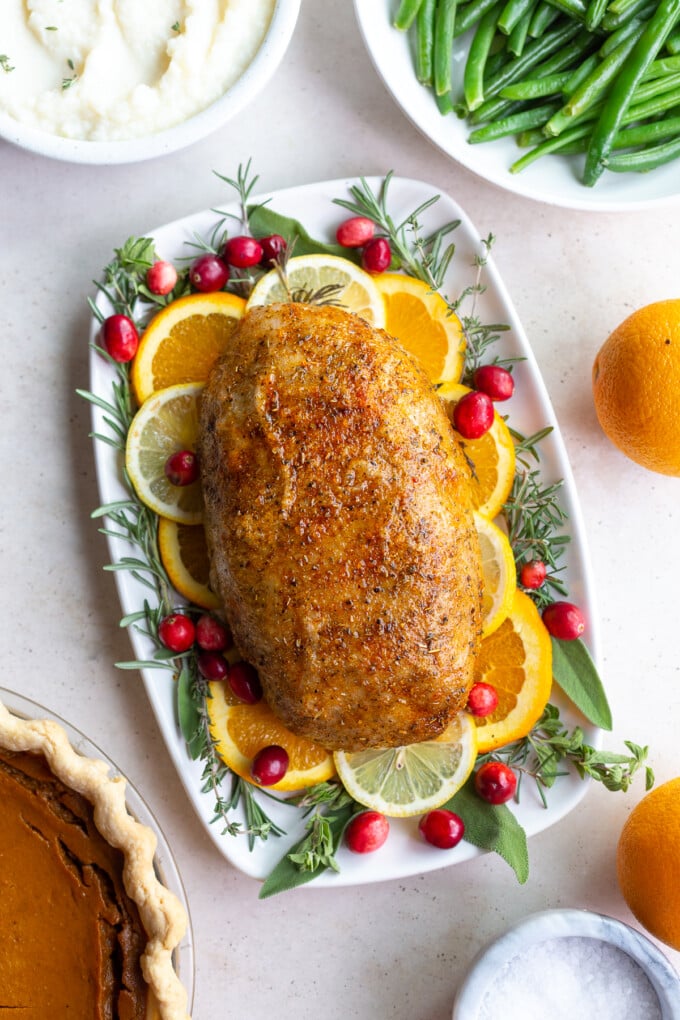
(184, 554)
(240, 731)
(423, 323)
(183, 341)
(517, 661)
(491, 458)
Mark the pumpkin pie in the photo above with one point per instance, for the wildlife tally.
(87, 929)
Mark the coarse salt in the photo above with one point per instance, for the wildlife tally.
(563, 978)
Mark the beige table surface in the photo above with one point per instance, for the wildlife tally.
(396, 949)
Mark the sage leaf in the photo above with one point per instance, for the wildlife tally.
(264, 221)
(575, 672)
(492, 827)
(288, 873)
(189, 718)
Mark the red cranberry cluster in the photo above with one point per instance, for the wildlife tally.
(359, 232)
(211, 271)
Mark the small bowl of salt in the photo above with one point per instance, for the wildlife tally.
(561, 964)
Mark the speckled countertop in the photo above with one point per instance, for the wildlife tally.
(397, 949)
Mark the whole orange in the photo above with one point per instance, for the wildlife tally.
(636, 386)
(648, 862)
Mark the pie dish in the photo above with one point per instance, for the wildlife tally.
(81, 902)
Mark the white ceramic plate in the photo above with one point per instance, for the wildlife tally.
(552, 179)
(139, 809)
(529, 410)
(202, 124)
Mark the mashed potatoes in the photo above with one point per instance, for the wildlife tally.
(111, 69)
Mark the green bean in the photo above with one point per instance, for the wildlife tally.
(444, 103)
(473, 75)
(594, 86)
(444, 18)
(645, 159)
(614, 19)
(631, 30)
(643, 134)
(406, 14)
(511, 125)
(665, 65)
(470, 15)
(620, 6)
(425, 41)
(533, 54)
(512, 13)
(595, 13)
(557, 144)
(673, 43)
(518, 37)
(574, 8)
(639, 110)
(536, 88)
(644, 52)
(544, 15)
(577, 77)
(656, 87)
(494, 107)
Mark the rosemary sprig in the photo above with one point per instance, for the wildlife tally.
(131, 521)
(535, 519)
(549, 746)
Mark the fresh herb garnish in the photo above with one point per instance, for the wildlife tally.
(175, 27)
(5, 64)
(67, 82)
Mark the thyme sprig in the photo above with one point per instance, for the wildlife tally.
(549, 746)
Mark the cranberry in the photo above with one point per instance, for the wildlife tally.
(273, 247)
(211, 634)
(495, 782)
(473, 415)
(355, 232)
(245, 682)
(269, 765)
(376, 256)
(177, 632)
(442, 828)
(212, 665)
(209, 272)
(121, 338)
(495, 381)
(367, 832)
(564, 620)
(242, 252)
(181, 468)
(533, 574)
(161, 277)
(482, 700)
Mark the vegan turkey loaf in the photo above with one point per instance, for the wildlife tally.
(339, 528)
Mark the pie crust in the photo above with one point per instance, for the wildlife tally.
(162, 915)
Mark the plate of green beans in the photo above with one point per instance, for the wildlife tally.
(571, 102)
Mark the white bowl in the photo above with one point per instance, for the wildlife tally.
(548, 925)
(133, 150)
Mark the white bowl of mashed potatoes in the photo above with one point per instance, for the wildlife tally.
(117, 81)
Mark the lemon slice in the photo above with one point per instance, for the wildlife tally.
(183, 341)
(309, 275)
(492, 457)
(165, 423)
(404, 781)
(184, 554)
(517, 661)
(240, 731)
(423, 323)
(499, 572)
